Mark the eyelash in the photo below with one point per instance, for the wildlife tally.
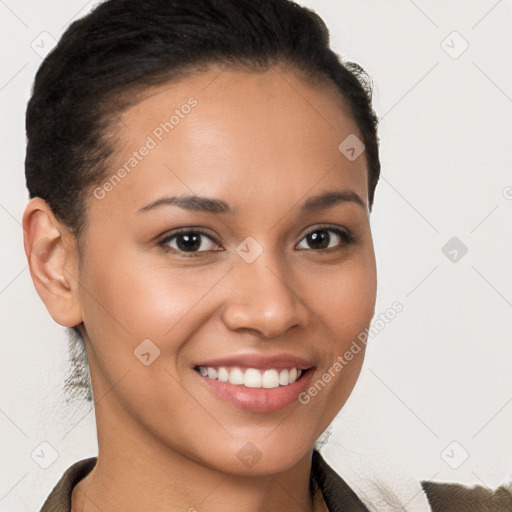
(346, 236)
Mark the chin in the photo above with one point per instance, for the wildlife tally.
(262, 456)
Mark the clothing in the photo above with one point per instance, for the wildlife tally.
(338, 496)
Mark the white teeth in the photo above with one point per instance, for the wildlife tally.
(223, 375)
(236, 376)
(251, 377)
(270, 379)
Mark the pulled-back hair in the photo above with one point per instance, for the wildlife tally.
(122, 47)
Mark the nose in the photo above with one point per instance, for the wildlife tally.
(263, 301)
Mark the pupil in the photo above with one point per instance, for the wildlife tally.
(188, 242)
(319, 239)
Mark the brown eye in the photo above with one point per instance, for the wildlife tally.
(190, 241)
(325, 238)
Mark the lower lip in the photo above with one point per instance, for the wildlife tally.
(258, 399)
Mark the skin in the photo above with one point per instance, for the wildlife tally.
(264, 143)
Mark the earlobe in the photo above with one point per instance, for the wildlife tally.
(51, 263)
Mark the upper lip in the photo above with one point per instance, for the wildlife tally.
(259, 361)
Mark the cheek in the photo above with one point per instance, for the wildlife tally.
(132, 301)
(143, 299)
(344, 300)
(343, 296)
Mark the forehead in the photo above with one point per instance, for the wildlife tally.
(232, 133)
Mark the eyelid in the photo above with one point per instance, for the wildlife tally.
(318, 227)
(188, 229)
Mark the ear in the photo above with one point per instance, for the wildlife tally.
(53, 262)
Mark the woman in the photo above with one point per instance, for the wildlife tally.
(202, 175)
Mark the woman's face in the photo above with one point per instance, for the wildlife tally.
(264, 275)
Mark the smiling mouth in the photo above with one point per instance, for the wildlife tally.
(267, 378)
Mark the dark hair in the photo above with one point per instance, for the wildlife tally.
(124, 46)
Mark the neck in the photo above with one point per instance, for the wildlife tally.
(136, 473)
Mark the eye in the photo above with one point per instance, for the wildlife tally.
(326, 238)
(189, 241)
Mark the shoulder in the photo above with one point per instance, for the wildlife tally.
(337, 494)
(451, 497)
(60, 497)
(442, 497)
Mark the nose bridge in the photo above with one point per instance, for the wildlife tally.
(264, 299)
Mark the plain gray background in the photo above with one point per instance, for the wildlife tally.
(434, 400)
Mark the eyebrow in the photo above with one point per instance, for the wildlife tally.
(196, 203)
(329, 199)
(217, 206)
